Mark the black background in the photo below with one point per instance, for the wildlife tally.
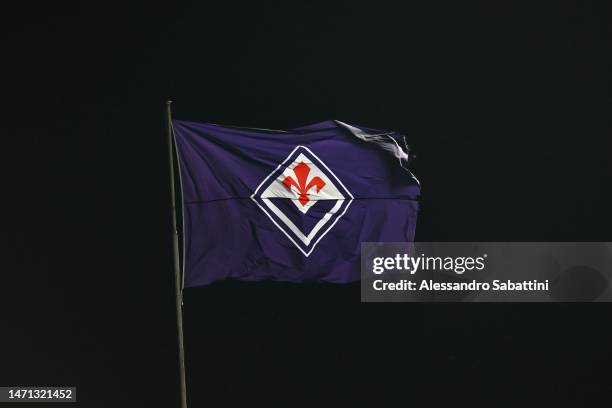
(504, 104)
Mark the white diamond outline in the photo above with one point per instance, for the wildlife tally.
(304, 238)
(306, 254)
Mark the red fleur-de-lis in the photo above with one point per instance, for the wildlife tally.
(301, 171)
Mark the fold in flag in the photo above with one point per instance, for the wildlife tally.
(290, 205)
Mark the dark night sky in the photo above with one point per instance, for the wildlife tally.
(506, 107)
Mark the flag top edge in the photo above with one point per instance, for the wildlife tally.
(317, 126)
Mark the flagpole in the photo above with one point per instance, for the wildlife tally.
(177, 271)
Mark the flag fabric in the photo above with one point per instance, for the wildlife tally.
(290, 205)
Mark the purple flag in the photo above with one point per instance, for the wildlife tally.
(290, 205)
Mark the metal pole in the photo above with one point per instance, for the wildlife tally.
(177, 270)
